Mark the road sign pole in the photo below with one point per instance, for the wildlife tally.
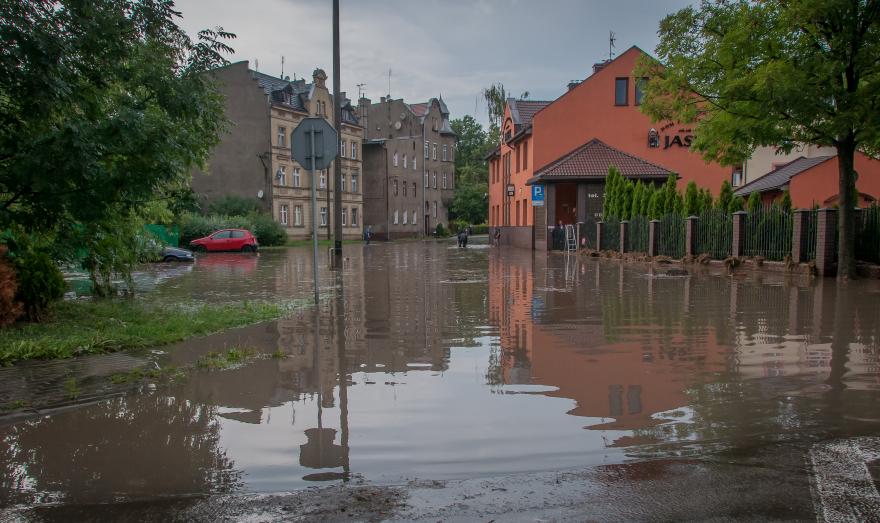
(314, 216)
(337, 165)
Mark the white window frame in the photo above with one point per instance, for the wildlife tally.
(405, 217)
(445, 152)
(434, 151)
(283, 212)
(414, 163)
(297, 215)
(342, 182)
(426, 149)
(322, 179)
(282, 136)
(404, 161)
(435, 208)
(354, 183)
(345, 216)
(354, 150)
(297, 181)
(282, 180)
(395, 159)
(426, 179)
(395, 216)
(324, 216)
(434, 179)
(444, 180)
(415, 218)
(354, 216)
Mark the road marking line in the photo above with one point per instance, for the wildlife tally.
(842, 486)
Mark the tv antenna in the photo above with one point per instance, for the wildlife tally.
(282, 67)
(389, 83)
(361, 90)
(611, 39)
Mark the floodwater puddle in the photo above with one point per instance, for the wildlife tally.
(528, 363)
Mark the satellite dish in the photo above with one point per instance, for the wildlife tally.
(403, 116)
(397, 125)
(260, 194)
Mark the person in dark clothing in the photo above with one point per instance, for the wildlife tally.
(558, 236)
(465, 239)
(460, 237)
(497, 237)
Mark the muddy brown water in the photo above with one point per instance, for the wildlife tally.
(436, 363)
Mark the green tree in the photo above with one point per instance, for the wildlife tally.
(785, 202)
(106, 108)
(774, 73)
(725, 195)
(470, 202)
(691, 199)
(754, 203)
(736, 204)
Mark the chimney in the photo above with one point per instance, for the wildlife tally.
(382, 99)
(572, 84)
(598, 66)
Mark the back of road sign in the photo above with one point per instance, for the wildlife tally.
(326, 143)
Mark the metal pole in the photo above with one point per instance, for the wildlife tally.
(337, 117)
(314, 216)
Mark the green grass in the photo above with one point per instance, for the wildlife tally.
(90, 327)
(225, 360)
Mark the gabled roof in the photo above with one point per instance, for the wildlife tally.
(778, 178)
(522, 111)
(593, 159)
(419, 109)
(293, 93)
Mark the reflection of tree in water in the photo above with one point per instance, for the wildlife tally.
(138, 446)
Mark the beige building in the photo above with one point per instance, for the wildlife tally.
(254, 159)
(767, 159)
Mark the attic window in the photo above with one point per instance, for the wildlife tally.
(621, 91)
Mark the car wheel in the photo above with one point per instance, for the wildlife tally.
(169, 259)
(200, 248)
(247, 248)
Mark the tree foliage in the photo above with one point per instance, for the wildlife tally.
(105, 109)
(773, 73)
(473, 143)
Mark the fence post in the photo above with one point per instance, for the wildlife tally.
(690, 236)
(739, 229)
(653, 237)
(624, 234)
(797, 234)
(599, 225)
(826, 247)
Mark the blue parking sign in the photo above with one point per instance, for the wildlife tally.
(537, 195)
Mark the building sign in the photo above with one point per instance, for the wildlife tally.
(678, 138)
(511, 190)
(537, 195)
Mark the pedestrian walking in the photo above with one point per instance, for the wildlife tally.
(368, 233)
(465, 239)
(497, 237)
(460, 236)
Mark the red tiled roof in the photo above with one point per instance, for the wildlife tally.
(419, 109)
(593, 159)
(524, 110)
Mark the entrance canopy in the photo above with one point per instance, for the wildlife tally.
(591, 162)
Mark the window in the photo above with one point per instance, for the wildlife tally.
(414, 190)
(525, 155)
(445, 152)
(517, 213)
(282, 134)
(434, 179)
(395, 159)
(354, 217)
(434, 151)
(298, 216)
(342, 183)
(222, 235)
(281, 176)
(296, 178)
(426, 150)
(344, 217)
(283, 215)
(737, 178)
(395, 217)
(405, 217)
(354, 151)
(414, 163)
(415, 220)
(323, 216)
(435, 209)
(518, 153)
(237, 234)
(395, 187)
(444, 180)
(621, 91)
(322, 182)
(354, 183)
(342, 149)
(404, 161)
(404, 188)
(426, 178)
(640, 90)
(525, 207)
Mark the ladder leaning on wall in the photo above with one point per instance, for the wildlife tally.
(571, 241)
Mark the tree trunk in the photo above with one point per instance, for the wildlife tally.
(846, 259)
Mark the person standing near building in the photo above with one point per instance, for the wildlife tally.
(558, 236)
(368, 233)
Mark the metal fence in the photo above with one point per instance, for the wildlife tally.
(714, 233)
(637, 235)
(671, 236)
(768, 234)
(809, 235)
(868, 235)
(610, 235)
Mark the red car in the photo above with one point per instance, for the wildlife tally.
(226, 240)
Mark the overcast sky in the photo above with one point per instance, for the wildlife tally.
(452, 48)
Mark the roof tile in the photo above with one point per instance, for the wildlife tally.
(593, 159)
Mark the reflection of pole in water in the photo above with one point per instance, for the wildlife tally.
(343, 376)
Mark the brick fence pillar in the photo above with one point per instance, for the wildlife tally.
(739, 229)
(599, 235)
(624, 234)
(826, 247)
(690, 236)
(653, 237)
(798, 229)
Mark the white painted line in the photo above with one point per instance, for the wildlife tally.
(843, 490)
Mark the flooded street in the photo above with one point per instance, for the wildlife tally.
(437, 367)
